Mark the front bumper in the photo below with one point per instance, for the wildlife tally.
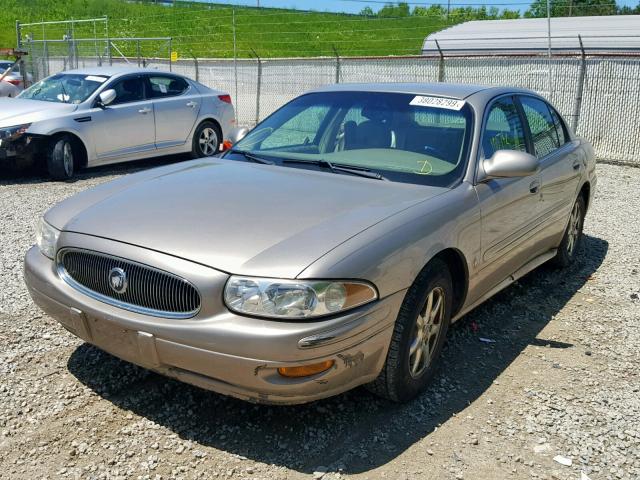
(218, 350)
(20, 153)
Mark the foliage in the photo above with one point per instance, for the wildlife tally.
(572, 8)
(206, 30)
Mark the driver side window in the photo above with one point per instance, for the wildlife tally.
(503, 129)
(128, 90)
(299, 130)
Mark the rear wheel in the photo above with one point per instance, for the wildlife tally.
(572, 236)
(61, 157)
(206, 140)
(418, 335)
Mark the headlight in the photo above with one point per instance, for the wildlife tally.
(47, 237)
(274, 298)
(13, 133)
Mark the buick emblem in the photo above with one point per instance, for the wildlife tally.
(118, 280)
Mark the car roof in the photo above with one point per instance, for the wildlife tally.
(458, 91)
(113, 71)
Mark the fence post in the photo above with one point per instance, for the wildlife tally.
(138, 51)
(258, 85)
(581, 78)
(18, 35)
(440, 63)
(235, 58)
(196, 66)
(46, 59)
(170, 54)
(338, 64)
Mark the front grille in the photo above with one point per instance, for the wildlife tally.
(146, 289)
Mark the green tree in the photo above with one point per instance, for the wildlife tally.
(399, 10)
(367, 12)
(571, 8)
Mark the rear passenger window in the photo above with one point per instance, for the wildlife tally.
(162, 86)
(560, 127)
(541, 124)
(503, 130)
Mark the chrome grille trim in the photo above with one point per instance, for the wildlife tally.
(151, 291)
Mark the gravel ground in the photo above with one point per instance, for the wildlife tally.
(561, 379)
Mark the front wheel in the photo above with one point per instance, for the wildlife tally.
(61, 156)
(572, 236)
(418, 335)
(206, 140)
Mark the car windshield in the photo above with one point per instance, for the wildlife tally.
(6, 66)
(402, 137)
(64, 88)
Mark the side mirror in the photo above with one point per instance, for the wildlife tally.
(237, 134)
(107, 97)
(509, 164)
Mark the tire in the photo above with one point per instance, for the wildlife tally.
(204, 144)
(62, 154)
(403, 376)
(572, 238)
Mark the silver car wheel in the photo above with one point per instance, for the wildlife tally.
(574, 229)
(208, 141)
(67, 158)
(426, 332)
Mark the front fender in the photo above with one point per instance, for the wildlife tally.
(391, 253)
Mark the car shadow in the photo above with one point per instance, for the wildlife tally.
(36, 175)
(356, 431)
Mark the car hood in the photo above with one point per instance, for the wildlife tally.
(235, 216)
(17, 111)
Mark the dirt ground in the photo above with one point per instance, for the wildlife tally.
(556, 374)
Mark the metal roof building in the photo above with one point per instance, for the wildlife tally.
(528, 36)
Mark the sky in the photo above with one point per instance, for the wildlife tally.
(355, 6)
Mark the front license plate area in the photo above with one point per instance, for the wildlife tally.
(114, 339)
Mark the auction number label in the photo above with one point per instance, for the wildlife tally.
(437, 102)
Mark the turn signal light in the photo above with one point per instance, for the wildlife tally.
(306, 370)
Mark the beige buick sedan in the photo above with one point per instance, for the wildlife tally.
(331, 247)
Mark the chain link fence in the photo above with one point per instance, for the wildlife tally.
(597, 94)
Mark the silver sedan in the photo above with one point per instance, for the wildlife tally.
(331, 247)
(84, 118)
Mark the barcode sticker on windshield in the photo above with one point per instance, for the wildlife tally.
(437, 102)
(93, 78)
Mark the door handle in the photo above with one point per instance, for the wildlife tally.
(192, 104)
(144, 111)
(534, 186)
(576, 166)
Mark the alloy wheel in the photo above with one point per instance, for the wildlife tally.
(426, 332)
(67, 158)
(574, 229)
(208, 141)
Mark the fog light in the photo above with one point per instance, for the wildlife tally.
(306, 370)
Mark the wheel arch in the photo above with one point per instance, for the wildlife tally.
(212, 119)
(82, 161)
(459, 269)
(585, 192)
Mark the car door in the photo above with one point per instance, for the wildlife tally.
(176, 105)
(510, 207)
(561, 162)
(125, 127)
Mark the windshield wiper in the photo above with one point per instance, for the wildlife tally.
(253, 157)
(358, 171)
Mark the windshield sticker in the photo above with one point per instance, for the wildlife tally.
(93, 78)
(426, 168)
(437, 102)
